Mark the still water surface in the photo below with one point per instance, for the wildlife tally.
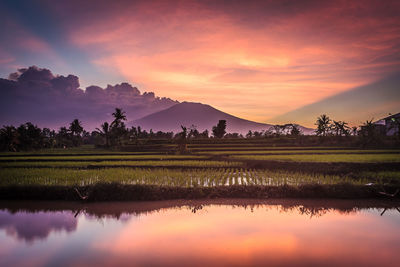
(200, 233)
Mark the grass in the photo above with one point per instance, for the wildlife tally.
(383, 175)
(167, 177)
(361, 158)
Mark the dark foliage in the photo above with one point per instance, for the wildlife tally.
(220, 129)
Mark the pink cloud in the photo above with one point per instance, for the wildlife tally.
(265, 52)
(21, 40)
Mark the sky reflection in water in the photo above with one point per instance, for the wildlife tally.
(200, 235)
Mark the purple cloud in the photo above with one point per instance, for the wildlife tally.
(35, 226)
(37, 95)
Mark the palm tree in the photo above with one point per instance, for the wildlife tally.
(368, 128)
(341, 128)
(75, 127)
(323, 126)
(119, 116)
(369, 134)
(105, 131)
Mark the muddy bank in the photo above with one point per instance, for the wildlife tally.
(120, 192)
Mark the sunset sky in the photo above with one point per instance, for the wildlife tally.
(254, 59)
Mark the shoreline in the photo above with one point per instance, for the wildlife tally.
(125, 192)
(117, 208)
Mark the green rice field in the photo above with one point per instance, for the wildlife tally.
(166, 177)
(204, 166)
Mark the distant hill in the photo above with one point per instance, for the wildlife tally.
(202, 116)
(355, 106)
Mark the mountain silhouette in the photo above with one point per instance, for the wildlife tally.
(370, 101)
(201, 115)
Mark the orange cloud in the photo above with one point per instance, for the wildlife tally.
(272, 63)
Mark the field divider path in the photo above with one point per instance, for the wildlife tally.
(226, 153)
(93, 167)
(103, 159)
(82, 154)
(255, 149)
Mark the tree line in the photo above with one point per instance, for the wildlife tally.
(110, 134)
(115, 133)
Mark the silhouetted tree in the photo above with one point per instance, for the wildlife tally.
(119, 116)
(76, 129)
(295, 131)
(182, 140)
(232, 135)
(249, 134)
(29, 137)
(64, 137)
(105, 132)
(340, 128)
(193, 132)
(118, 129)
(369, 134)
(354, 130)
(257, 133)
(49, 138)
(8, 138)
(323, 125)
(204, 134)
(220, 129)
(269, 132)
(279, 129)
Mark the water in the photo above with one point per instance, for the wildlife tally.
(200, 233)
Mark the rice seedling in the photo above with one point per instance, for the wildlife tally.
(167, 177)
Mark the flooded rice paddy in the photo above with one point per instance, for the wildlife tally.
(225, 232)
